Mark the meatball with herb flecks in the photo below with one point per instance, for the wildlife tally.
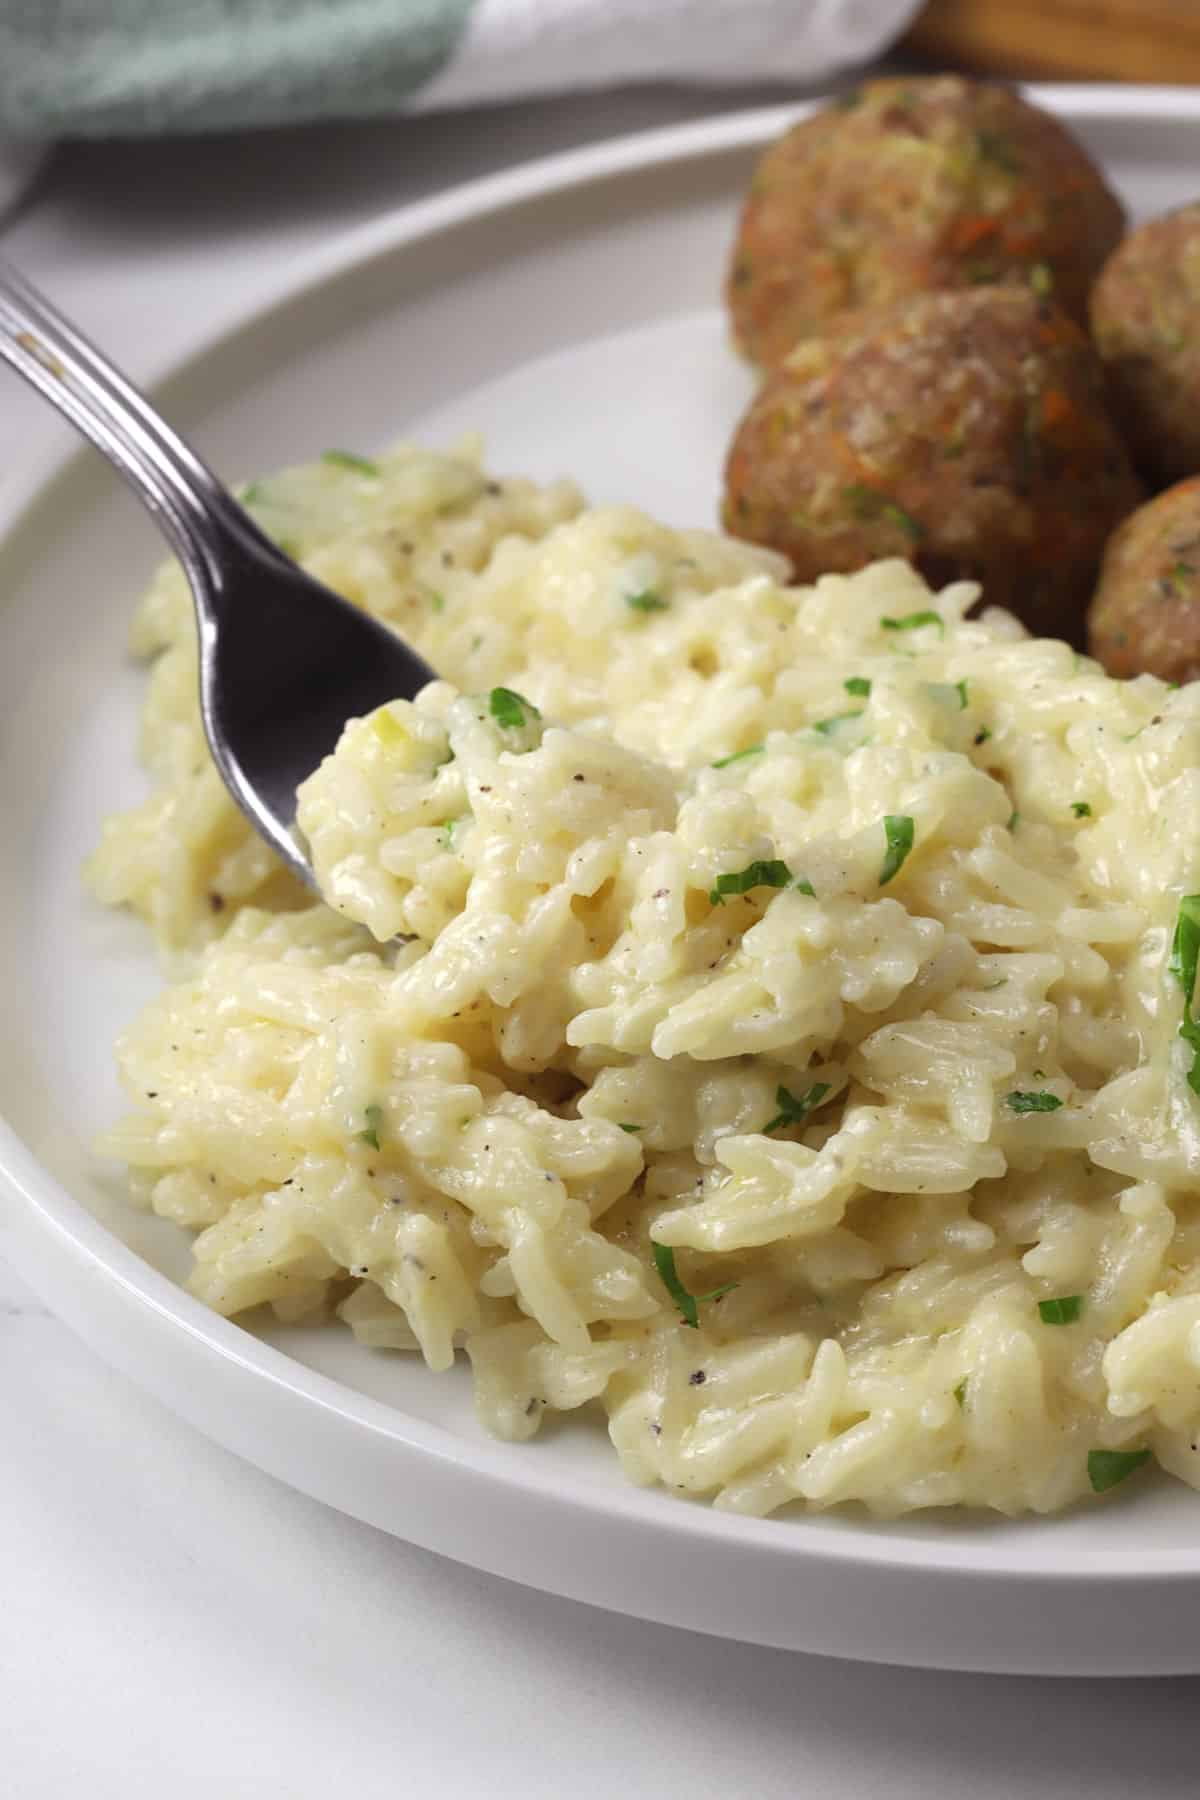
(1145, 312)
(907, 186)
(1145, 618)
(964, 431)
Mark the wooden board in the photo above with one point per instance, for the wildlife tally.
(1106, 40)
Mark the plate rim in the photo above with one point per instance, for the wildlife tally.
(82, 1239)
(347, 252)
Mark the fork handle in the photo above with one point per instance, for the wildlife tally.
(177, 487)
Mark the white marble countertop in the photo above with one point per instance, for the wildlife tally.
(174, 1623)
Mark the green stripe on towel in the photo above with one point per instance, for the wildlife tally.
(72, 68)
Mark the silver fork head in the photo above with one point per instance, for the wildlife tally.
(284, 662)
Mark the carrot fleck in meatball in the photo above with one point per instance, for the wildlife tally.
(1145, 618)
(1146, 325)
(907, 186)
(964, 431)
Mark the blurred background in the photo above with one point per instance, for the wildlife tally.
(1095, 40)
(85, 78)
(83, 84)
(111, 68)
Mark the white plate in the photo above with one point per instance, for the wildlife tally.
(567, 310)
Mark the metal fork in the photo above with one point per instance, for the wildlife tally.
(283, 661)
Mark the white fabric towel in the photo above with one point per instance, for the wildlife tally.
(515, 47)
(156, 67)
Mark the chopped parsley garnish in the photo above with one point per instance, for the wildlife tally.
(511, 711)
(1081, 809)
(1032, 1101)
(1107, 1467)
(864, 501)
(1041, 280)
(950, 692)
(664, 1262)
(452, 827)
(251, 494)
(896, 515)
(914, 622)
(1185, 948)
(437, 602)
(345, 459)
(898, 835)
(795, 1108)
(803, 885)
(960, 1392)
(374, 1117)
(756, 874)
(1063, 1311)
(983, 734)
(827, 727)
(868, 503)
(646, 602)
(995, 148)
(858, 685)
(1014, 819)
(632, 1128)
(723, 762)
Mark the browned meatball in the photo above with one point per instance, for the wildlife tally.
(906, 186)
(1145, 618)
(1146, 325)
(965, 431)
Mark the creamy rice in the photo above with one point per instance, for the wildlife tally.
(793, 961)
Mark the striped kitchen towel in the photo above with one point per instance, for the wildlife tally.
(95, 68)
